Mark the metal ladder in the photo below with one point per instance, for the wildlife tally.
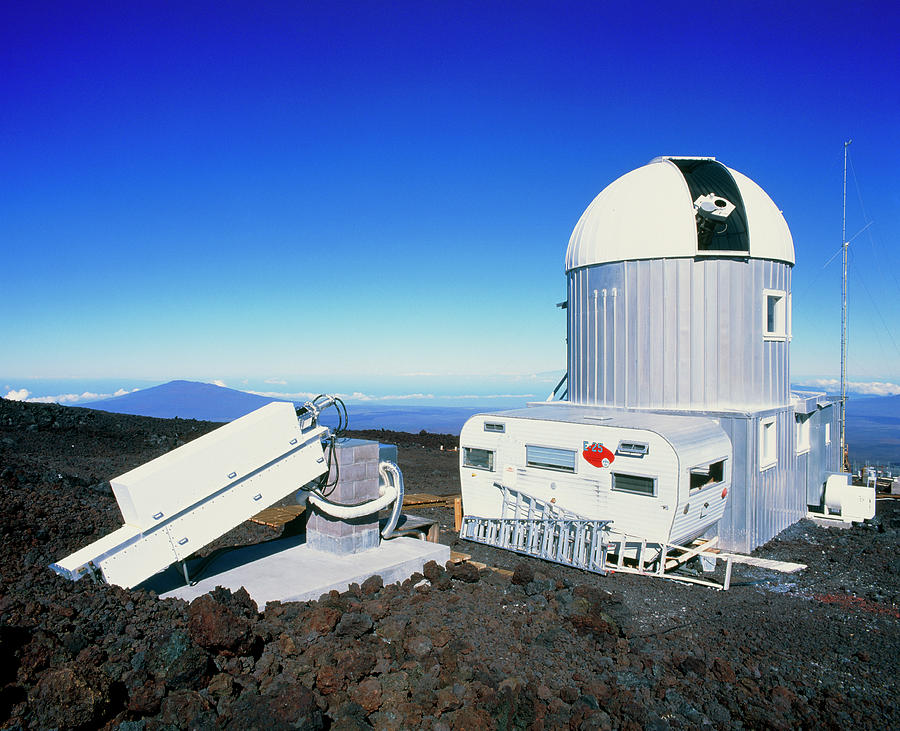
(541, 529)
(538, 528)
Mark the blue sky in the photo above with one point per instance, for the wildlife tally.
(369, 192)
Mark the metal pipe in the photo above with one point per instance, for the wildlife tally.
(387, 495)
(390, 470)
(844, 245)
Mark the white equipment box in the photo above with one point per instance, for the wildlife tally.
(852, 502)
(179, 502)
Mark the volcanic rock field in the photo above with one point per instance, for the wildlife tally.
(536, 646)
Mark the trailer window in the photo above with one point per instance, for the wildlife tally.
(635, 484)
(480, 459)
(705, 475)
(550, 458)
(494, 427)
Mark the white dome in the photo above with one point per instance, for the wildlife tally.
(649, 214)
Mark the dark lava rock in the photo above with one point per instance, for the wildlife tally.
(723, 671)
(146, 699)
(367, 694)
(187, 709)
(372, 585)
(464, 572)
(355, 662)
(418, 646)
(523, 574)
(218, 628)
(433, 571)
(322, 619)
(692, 664)
(354, 624)
(284, 706)
(178, 661)
(70, 697)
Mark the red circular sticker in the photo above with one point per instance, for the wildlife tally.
(598, 455)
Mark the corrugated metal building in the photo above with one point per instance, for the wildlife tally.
(679, 301)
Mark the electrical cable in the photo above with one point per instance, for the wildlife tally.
(323, 484)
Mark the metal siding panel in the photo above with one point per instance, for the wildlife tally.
(572, 377)
(725, 334)
(682, 356)
(816, 459)
(669, 336)
(632, 363)
(836, 459)
(581, 362)
(733, 528)
(755, 285)
(743, 466)
(709, 333)
(656, 308)
(582, 336)
(738, 384)
(696, 362)
(634, 316)
(642, 376)
(590, 322)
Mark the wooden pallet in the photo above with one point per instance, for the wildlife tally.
(276, 517)
(427, 500)
(459, 557)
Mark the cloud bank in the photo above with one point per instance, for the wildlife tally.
(23, 394)
(870, 388)
(357, 396)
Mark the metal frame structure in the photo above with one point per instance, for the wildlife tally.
(534, 527)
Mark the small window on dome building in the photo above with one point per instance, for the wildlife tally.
(775, 314)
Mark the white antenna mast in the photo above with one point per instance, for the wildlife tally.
(844, 247)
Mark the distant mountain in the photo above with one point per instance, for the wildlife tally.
(435, 419)
(208, 402)
(186, 400)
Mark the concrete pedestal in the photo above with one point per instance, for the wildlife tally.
(355, 466)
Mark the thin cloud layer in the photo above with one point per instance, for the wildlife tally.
(23, 394)
(358, 396)
(870, 388)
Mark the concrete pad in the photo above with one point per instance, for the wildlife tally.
(300, 573)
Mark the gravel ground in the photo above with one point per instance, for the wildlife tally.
(459, 648)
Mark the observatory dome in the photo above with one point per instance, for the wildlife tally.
(650, 213)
